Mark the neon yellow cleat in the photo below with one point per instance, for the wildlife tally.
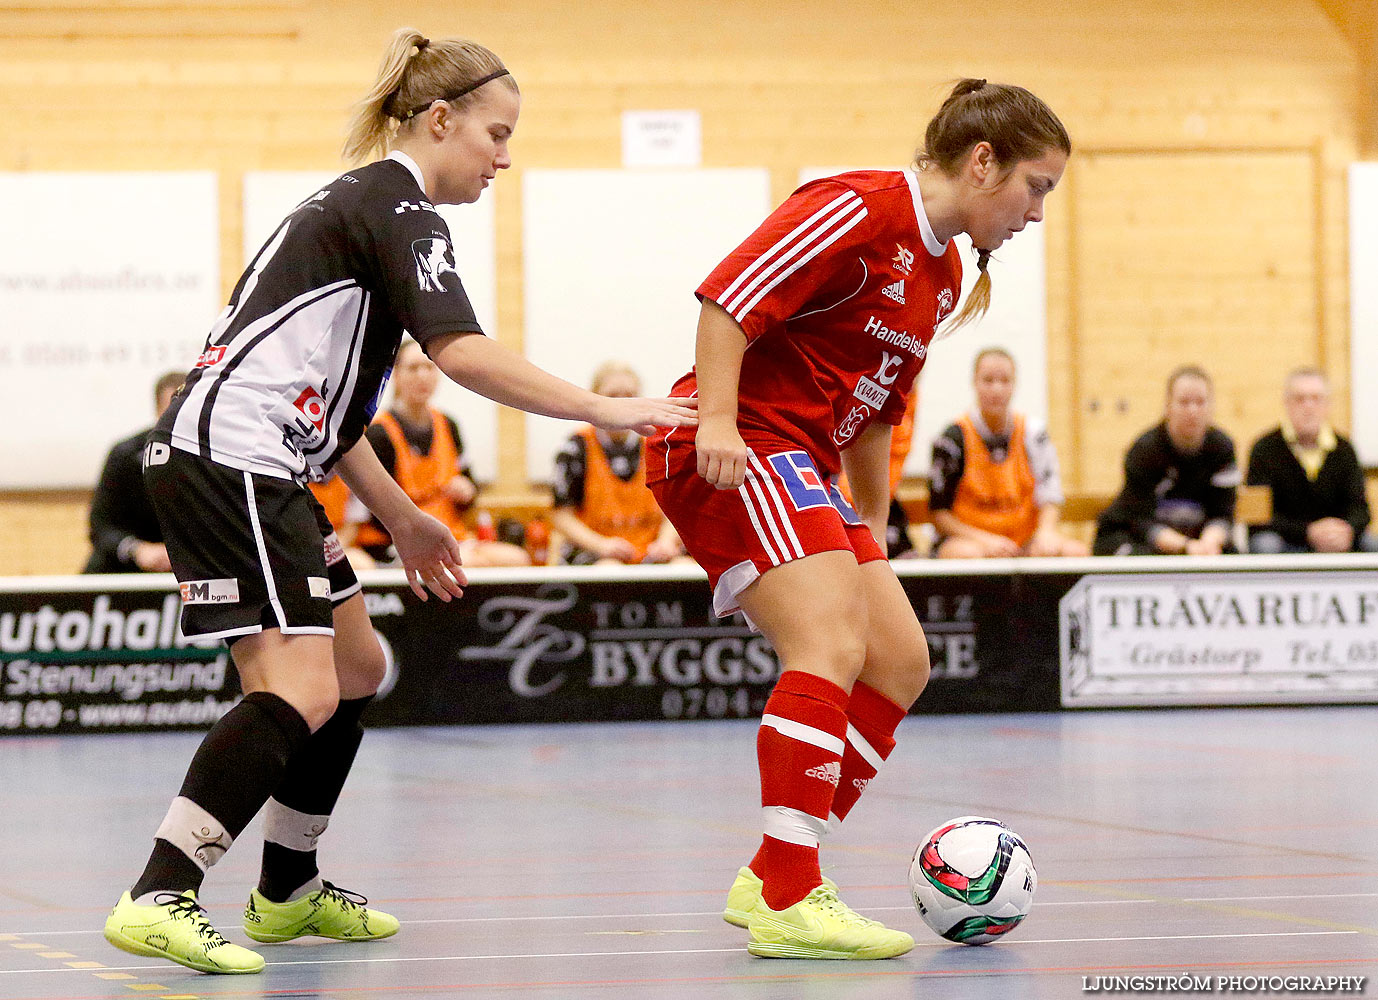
(177, 930)
(330, 912)
(746, 893)
(821, 926)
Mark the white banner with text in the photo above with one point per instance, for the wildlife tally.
(1220, 639)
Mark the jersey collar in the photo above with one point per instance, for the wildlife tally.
(979, 422)
(930, 241)
(410, 164)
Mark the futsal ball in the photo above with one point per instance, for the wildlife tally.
(972, 880)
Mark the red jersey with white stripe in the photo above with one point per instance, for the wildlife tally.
(840, 292)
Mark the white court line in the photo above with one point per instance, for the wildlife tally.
(1179, 937)
(692, 951)
(421, 958)
(576, 916)
(1309, 896)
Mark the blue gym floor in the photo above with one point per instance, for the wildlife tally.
(593, 860)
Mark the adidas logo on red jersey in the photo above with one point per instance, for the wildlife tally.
(895, 291)
(831, 772)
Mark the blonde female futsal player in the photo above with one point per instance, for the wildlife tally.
(290, 376)
(810, 337)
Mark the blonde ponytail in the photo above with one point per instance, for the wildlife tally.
(416, 72)
(370, 127)
(977, 303)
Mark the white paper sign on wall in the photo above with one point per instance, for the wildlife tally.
(661, 139)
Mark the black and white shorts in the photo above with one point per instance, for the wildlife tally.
(250, 552)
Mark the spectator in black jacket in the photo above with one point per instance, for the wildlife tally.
(1317, 485)
(124, 531)
(1179, 481)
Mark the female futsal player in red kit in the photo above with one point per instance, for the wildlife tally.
(810, 337)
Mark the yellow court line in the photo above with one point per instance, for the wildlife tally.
(9, 937)
(29, 945)
(180, 996)
(84, 965)
(55, 954)
(146, 987)
(113, 975)
(1276, 916)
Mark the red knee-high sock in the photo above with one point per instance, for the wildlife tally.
(799, 748)
(871, 722)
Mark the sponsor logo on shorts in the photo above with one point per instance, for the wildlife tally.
(860, 783)
(804, 485)
(319, 586)
(849, 515)
(831, 772)
(334, 551)
(210, 592)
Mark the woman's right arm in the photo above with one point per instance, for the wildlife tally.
(428, 550)
(718, 369)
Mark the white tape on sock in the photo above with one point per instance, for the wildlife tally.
(863, 747)
(805, 734)
(296, 831)
(195, 832)
(793, 826)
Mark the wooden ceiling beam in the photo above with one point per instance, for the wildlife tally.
(1357, 21)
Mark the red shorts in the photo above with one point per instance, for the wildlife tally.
(784, 511)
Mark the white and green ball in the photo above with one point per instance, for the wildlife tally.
(972, 880)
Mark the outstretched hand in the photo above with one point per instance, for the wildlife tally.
(430, 556)
(645, 415)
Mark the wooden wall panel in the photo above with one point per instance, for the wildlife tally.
(1206, 258)
(43, 534)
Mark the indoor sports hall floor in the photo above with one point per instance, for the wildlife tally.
(592, 860)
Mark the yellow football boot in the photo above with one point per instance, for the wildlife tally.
(746, 893)
(329, 912)
(176, 928)
(821, 926)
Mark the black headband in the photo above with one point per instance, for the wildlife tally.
(454, 96)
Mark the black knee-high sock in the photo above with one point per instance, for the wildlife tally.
(300, 807)
(236, 768)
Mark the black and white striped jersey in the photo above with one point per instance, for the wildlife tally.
(295, 366)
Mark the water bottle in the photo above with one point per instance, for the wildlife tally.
(538, 541)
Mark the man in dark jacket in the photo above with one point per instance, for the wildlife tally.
(124, 531)
(1314, 475)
